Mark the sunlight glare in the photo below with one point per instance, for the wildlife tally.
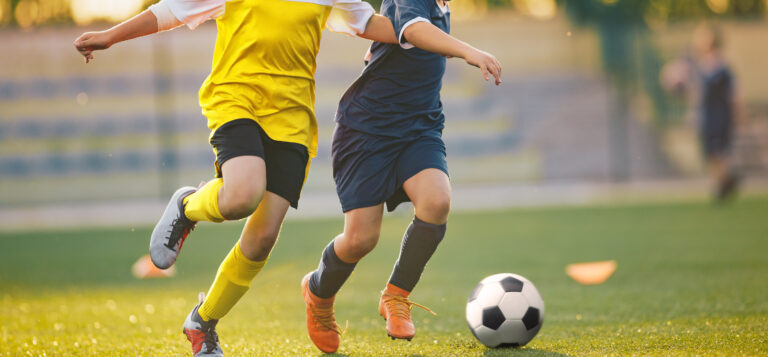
(542, 9)
(718, 6)
(87, 11)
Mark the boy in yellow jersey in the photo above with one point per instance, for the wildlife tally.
(259, 101)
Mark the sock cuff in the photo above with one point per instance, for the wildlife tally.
(239, 269)
(330, 253)
(203, 205)
(439, 229)
(241, 258)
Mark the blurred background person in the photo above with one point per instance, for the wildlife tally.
(718, 105)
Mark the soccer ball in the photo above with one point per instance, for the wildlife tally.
(505, 310)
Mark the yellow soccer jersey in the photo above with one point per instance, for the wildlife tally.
(265, 59)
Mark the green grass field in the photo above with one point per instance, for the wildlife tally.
(692, 280)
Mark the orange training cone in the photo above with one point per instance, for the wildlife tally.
(591, 273)
(144, 268)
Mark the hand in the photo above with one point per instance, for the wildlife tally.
(487, 63)
(92, 41)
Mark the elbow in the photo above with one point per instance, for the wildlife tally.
(407, 35)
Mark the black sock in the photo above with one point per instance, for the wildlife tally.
(330, 275)
(419, 243)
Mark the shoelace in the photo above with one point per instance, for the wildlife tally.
(211, 340)
(401, 306)
(324, 316)
(180, 228)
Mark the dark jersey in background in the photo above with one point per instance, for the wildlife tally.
(716, 110)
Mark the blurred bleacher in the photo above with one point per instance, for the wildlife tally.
(128, 127)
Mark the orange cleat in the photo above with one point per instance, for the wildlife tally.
(321, 324)
(395, 308)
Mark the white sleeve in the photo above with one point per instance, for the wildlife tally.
(401, 36)
(349, 16)
(189, 12)
(165, 19)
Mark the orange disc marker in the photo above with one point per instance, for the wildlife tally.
(591, 273)
(144, 268)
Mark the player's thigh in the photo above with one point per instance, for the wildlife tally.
(240, 161)
(263, 226)
(364, 221)
(430, 191)
(244, 177)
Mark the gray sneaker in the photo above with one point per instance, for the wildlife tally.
(171, 231)
(202, 334)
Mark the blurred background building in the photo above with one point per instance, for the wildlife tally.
(580, 113)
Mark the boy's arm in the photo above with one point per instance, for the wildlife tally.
(380, 29)
(738, 109)
(165, 15)
(358, 18)
(429, 37)
(142, 24)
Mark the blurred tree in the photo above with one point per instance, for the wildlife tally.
(586, 12)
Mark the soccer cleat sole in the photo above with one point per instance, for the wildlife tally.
(398, 338)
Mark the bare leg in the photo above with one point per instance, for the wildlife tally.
(246, 259)
(430, 192)
(244, 184)
(362, 227)
(263, 226)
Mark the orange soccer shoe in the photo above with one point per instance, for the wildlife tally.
(395, 307)
(321, 324)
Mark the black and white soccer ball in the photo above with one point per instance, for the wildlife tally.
(505, 310)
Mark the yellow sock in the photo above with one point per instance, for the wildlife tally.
(232, 281)
(203, 205)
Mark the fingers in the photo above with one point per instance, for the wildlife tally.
(87, 53)
(496, 72)
(484, 69)
(83, 46)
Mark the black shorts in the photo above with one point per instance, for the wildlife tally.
(286, 162)
(370, 170)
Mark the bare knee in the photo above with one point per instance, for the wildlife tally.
(236, 202)
(434, 209)
(356, 244)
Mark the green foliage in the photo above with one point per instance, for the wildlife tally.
(590, 11)
(637, 12)
(691, 281)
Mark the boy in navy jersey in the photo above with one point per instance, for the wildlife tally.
(387, 148)
(718, 108)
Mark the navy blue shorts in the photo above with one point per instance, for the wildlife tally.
(715, 140)
(370, 170)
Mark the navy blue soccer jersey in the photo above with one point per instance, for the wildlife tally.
(716, 98)
(398, 93)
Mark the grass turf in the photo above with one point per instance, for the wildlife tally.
(692, 280)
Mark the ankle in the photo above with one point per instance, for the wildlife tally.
(395, 290)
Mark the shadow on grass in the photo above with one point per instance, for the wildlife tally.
(515, 351)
